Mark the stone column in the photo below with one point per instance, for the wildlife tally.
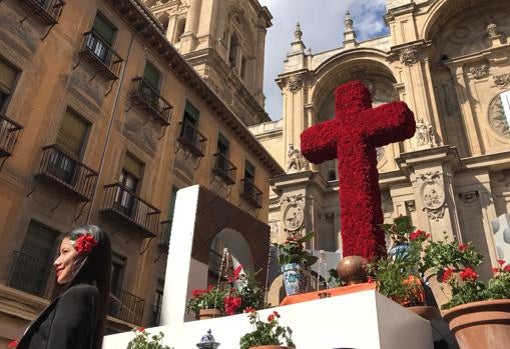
(188, 38)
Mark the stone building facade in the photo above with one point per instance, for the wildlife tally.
(102, 120)
(448, 60)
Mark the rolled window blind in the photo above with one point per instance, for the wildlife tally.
(72, 133)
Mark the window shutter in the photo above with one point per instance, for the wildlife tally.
(249, 170)
(72, 133)
(191, 113)
(152, 75)
(104, 29)
(133, 166)
(7, 76)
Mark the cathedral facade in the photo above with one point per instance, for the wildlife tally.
(448, 60)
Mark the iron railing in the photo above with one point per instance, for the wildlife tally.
(126, 306)
(224, 169)
(29, 274)
(101, 56)
(146, 96)
(9, 133)
(63, 170)
(121, 202)
(192, 139)
(48, 10)
(164, 236)
(251, 193)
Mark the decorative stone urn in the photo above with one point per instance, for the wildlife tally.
(484, 324)
(353, 270)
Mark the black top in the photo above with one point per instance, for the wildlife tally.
(69, 322)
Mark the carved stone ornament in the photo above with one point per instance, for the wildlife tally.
(502, 81)
(432, 195)
(492, 30)
(497, 118)
(409, 55)
(274, 230)
(295, 160)
(410, 205)
(424, 136)
(295, 84)
(293, 213)
(479, 71)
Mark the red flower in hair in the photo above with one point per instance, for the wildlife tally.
(12, 344)
(85, 243)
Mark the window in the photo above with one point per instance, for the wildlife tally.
(33, 264)
(103, 39)
(118, 267)
(181, 25)
(232, 54)
(70, 145)
(223, 145)
(8, 77)
(249, 171)
(157, 302)
(243, 68)
(191, 114)
(130, 177)
(152, 75)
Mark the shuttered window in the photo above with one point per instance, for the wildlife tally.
(191, 113)
(152, 75)
(72, 133)
(223, 145)
(249, 171)
(104, 29)
(133, 166)
(8, 75)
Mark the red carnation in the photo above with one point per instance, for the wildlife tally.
(85, 243)
(468, 274)
(417, 234)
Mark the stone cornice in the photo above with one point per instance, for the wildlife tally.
(138, 17)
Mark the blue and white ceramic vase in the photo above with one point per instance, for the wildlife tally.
(294, 278)
(398, 251)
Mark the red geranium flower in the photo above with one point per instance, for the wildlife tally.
(271, 317)
(140, 329)
(85, 243)
(468, 274)
(495, 270)
(417, 234)
(463, 247)
(507, 268)
(501, 262)
(447, 274)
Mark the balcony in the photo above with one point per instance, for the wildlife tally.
(164, 236)
(101, 56)
(48, 11)
(29, 274)
(224, 169)
(126, 306)
(251, 193)
(70, 175)
(9, 133)
(123, 205)
(149, 100)
(191, 139)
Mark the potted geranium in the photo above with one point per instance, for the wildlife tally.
(294, 262)
(266, 335)
(479, 313)
(143, 340)
(209, 302)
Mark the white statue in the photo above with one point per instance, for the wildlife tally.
(295, 161)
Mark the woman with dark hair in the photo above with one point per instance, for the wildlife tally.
(76, 317)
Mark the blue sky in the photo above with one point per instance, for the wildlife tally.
(322, 23)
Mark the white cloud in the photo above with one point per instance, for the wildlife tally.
(322, 23)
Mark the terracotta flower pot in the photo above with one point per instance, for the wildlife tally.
(271, 347)
(484, 324)
(204, 314)
(426, 311)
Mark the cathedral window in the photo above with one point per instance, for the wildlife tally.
(234, 47)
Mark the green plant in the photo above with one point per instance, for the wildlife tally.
(210, 298)
(292, 251)
(250, 291)
(468, 288)
(142, 340)
(266, 333)
(442, 254)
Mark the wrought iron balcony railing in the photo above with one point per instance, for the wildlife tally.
(9, 133)
(224, 169)
(251, 193)
(67, 173)
(164, 236)
(126, 306)
(48, 10)
(150, 100)
(29, 274)
(121, 203)
(101, 56)
(192, 139)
